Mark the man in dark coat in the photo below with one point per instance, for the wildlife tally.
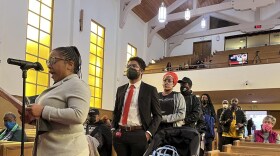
(99, 130)
(220, 130)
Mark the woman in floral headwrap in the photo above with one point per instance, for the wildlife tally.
(266, 134)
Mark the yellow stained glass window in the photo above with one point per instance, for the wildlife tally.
(45, 25)
(33, 19)
(32, 47)
(96, 56)
(31, 89)
(131, 51)
(46, 12)
(38, 44)
(32, 33)
(34, 6)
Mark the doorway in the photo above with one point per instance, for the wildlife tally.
(202, 50)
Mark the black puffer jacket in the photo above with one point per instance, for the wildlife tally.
(193, 110)
(226, 119)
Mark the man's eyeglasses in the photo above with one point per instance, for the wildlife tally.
(132, 66)
(53, 60)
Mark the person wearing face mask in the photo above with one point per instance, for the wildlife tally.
(233, 120)
(209, 116)
(12, 132)
(220, 130)
(266, 134)
(99, 130)
(173, 105)
(193, 108)
(137, 112)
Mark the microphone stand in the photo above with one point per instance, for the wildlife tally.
(24, 76)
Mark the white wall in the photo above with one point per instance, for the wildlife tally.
(13, 38)
(186, 48)
(232, 78)
(156, 50)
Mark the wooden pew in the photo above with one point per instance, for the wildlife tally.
(14, 149)
(255, 144)
(218, 153)
(251, 150)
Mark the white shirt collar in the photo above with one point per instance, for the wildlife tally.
(136, 85)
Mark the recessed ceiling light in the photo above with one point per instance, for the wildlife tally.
(254, 101)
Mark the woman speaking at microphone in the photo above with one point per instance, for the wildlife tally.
(62, 109)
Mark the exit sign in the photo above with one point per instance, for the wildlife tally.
(258, 26)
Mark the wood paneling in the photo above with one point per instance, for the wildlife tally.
(148, 9)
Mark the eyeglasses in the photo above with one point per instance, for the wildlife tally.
(225, 103)
(132, 66)
(53, 60)
(168, 81)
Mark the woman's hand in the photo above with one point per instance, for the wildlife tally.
(36, 110)
(28, 117)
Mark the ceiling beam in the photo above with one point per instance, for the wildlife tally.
(125, 7)
(228, 18)
(239, 5)
(258, 14)
(154, 26)
(194, 4)
(175, 41)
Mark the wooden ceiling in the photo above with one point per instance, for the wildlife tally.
(148, 9)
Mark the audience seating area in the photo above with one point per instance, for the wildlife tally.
(245, 148)
(11, 148)
(219, 59)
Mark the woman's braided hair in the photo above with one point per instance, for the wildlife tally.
(71, 53)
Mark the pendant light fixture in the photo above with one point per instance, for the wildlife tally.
(162, 13)
(203, 23)
(187, 14)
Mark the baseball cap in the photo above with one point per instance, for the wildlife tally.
(93, 112)
(186, 80)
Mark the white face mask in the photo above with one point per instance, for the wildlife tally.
(225, 106)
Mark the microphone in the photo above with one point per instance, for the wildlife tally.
(26, 64)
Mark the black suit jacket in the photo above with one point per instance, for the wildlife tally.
(148, 104)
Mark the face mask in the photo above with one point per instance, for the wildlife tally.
(9, 124)
(266, 127)
(92, 120)
(225, 106)
(204, 102)
(132, 74)
(234, 105)
(185, 91)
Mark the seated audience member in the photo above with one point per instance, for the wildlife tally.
(266, 134)
(173, 105)
(99, 130)
(168, 66)
(12, 132)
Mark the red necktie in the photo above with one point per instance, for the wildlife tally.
(127, 105)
